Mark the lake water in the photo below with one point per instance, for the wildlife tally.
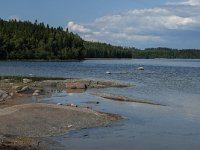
(174, 83)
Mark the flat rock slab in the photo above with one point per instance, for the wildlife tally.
(42, 120)
(84, 84)
(124, 98)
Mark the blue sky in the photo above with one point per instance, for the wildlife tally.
(137, 23)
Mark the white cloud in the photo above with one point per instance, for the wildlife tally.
(77, 28)
(192, 2)
(137, 20)
(150, 25)
(188, 2)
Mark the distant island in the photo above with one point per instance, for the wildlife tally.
(24, 40)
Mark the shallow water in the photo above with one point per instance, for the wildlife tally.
(175, 83)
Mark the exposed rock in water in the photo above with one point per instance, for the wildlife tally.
(37, 92)
(75, 85)
(140, 68)
(108, 72)
(123, 98)
(83, 84)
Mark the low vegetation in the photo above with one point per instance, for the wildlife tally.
(20, 78)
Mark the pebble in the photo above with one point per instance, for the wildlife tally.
(37, 91)
(59, 104)
(72, 105)
(69, 126)
(35, 94)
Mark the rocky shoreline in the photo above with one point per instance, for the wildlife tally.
(13, 88)
(21, 120)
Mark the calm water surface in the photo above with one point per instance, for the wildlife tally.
(175, 83)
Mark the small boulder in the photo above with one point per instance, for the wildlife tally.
(24, 89)
(59, 104)
(72, 105)
(69, 126)
(37, 92)
(25, 80)
(75, 85)
(3, 95)
(11, 94)
(140, 68)
(108, 72)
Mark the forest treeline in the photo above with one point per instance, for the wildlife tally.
(24, 40)
(103, 50)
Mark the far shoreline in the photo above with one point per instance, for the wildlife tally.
(76, 60)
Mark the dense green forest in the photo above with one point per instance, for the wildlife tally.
(103, 50)
(24, 40)
(160, 52)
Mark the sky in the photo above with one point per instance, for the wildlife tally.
(130, 23)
